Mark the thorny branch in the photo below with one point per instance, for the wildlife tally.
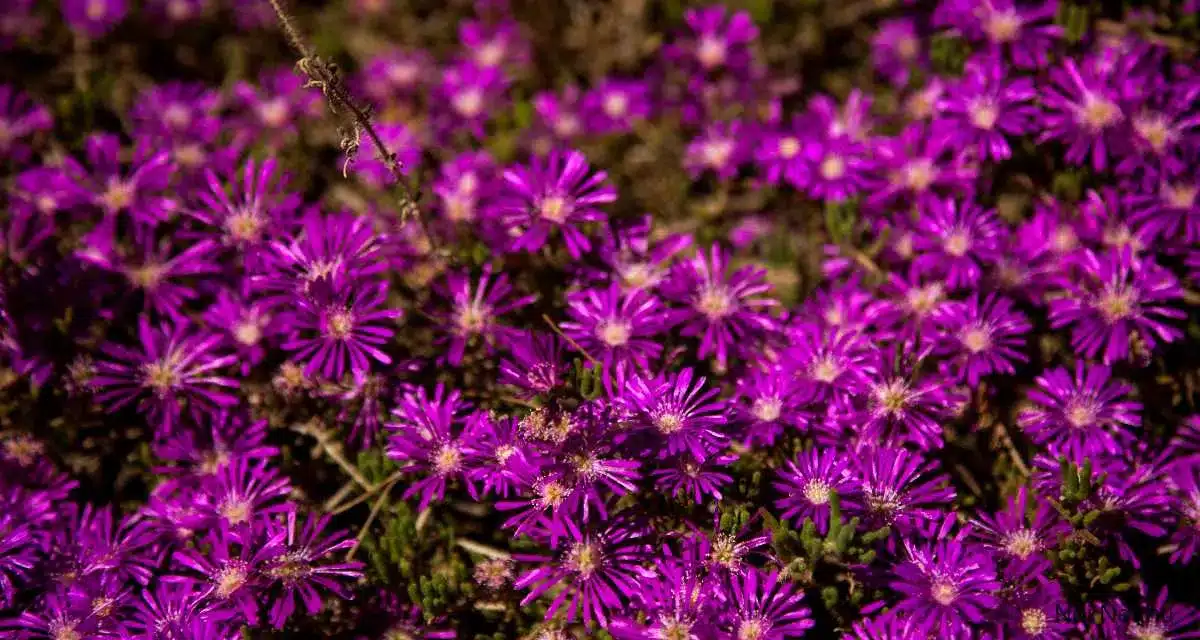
(324, 75)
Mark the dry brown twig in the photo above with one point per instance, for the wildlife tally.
(324, 75)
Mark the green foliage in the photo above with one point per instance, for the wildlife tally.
(1075, 19)
(1080, 559)
(948, 52)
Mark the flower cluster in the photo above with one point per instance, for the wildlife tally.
(913, 359)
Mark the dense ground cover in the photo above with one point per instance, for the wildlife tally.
(646, 320)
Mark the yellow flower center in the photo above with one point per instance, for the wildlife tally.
(468, 102)
(976, 339)
(983, 114)
(448, 459)
(615, 105)
(711, 51)
(1003, 26)
(554, 209)
(714, 302)
(1099, 113)
(789, 147)
(340, 325)
(943, 592)
(1022, 543)
(614, 333)
(1033, 621)
(832, 167)
(229, 579)
(817, 492)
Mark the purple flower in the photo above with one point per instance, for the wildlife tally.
(244, 490)
(781, 154)
(808, 483)
(342, 331)
(494, 44)
(986, 107)
(553, 194)
(1114, 300)
(394, 75)
(94, 18)
(476, 307)
(231, 572)
(114, 190)
(900, 489)
(246, 325)
(1083, 112)
(633, 260)
(302, 566)
(174, 364)
(245, 213)
(614, 105)
(1185, 539)
(771, 400)
(1170, 213)
(535, 365)
(920, 162)
(595, 568)
(895, 49)
(699, 477)
(721, 148)
(1026, 33)
(715, 40)
(275, 107)
(1154, 616)
(341, 251)
(981, 337)
(371, 168)
(1082, 414)
(954, 240)
(228, 438)
(618, 328)
(678, 408)
(174, 611)
(724, 309)
(766, 608)
(1019, 534)
(947, 586)
(427, 432)
(841, 168)
(469, 94)
(462, 183)
(560, 113)
(902, 410)
(18, 554)
(20, 119)
(837, 363)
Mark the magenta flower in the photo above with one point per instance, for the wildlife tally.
(475, 310)
(94, 18)
(342, 331)
(615, 327)
(243, 491)
(767, 608)
(535, 364)
(1115, 299)
(369, 166)
(900, 489)
(987, 107)
(954, 240)
(302, 565)
(715, 40)
(680, 410)
(947, 586)
(614, 105)
(137, 191)
(468, 94)
(20, 119)
(1084, 415)
(1083, 113)
(553, 194)
(175, 364)
(246, 208)
(725, 310)
(781, 154)
(428, 433)
(721, 148)
(807, 485)
(980, 337)
(596, 569)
